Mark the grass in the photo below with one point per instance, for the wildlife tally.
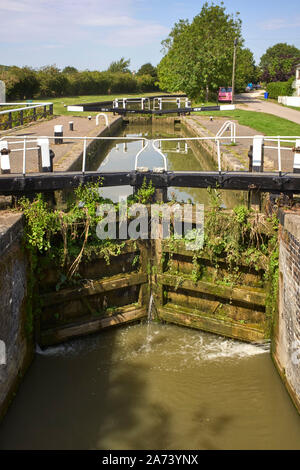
(264, 123)
(60, 109)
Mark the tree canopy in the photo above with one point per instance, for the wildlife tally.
(119, 66)
(148, 69)
(199, 55)
(70, 69)
(279, 62)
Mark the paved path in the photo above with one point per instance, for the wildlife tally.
(240, 151)
(252, 102)
(66, 153)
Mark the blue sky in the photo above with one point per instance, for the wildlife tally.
(92, 33)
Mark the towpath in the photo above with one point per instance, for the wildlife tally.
(253, 102)
(66, 154)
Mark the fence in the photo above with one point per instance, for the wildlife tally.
(258, 144)
(10, 118)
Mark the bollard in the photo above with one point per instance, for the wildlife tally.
(45, 156)
(4, 157)
(71, 126)
(258, 153)
(58, 134)
(256, 164)
(296, 150)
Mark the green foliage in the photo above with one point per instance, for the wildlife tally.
(199, 55)
(70, 69)
(246, 70)
(41, 223)
(51, 82)
(235, 238)
(148, 69)
(119, 66)
(144, 194)
(62, 236)
(276, 89)
(21, 83)
(279, 62)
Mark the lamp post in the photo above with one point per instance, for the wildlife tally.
(233, 68)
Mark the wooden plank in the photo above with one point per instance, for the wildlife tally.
(61, 334)
(223, 292)
(95, 287)
(202, 322)
(39, 182)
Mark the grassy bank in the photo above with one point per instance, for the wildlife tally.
(264, 123)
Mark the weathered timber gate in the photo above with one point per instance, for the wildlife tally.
(119, 292)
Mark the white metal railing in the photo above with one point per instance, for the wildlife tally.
(144, 102)
(24, 140)
(105, 117)
(180, 101)
(257, 150)
(228, 125)
(15, 111)
(29, 106)
(259, 142)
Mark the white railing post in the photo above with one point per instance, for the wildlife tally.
(296, 167)
(219, 155)
(84, 156)
(279, 156)
(24, 157)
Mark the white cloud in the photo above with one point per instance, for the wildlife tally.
(144, 33)
(279, 23)
(107, 21)
(11, 5)
(69, 21)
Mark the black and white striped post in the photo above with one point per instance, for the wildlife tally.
(4, 157)
(45, 156)
(296, 150)
(58, 134)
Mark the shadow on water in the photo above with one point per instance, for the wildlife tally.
(75, 397)
(157, 387)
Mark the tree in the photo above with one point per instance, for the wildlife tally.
(21, 82)
(52, 81)
(148, 69)
(119, 66)
(278, 64)
(198, 55)
(70, 69)
(246, 70)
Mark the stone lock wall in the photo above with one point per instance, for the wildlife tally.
(286, 345)
(13, 290)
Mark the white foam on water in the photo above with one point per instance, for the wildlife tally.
(168, 343)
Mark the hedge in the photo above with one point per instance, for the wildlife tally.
(50, 82)
(276, 89)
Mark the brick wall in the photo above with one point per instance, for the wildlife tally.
(13, 290)
(286, 350)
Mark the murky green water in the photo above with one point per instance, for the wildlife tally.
(160, 388)
(180, 155)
